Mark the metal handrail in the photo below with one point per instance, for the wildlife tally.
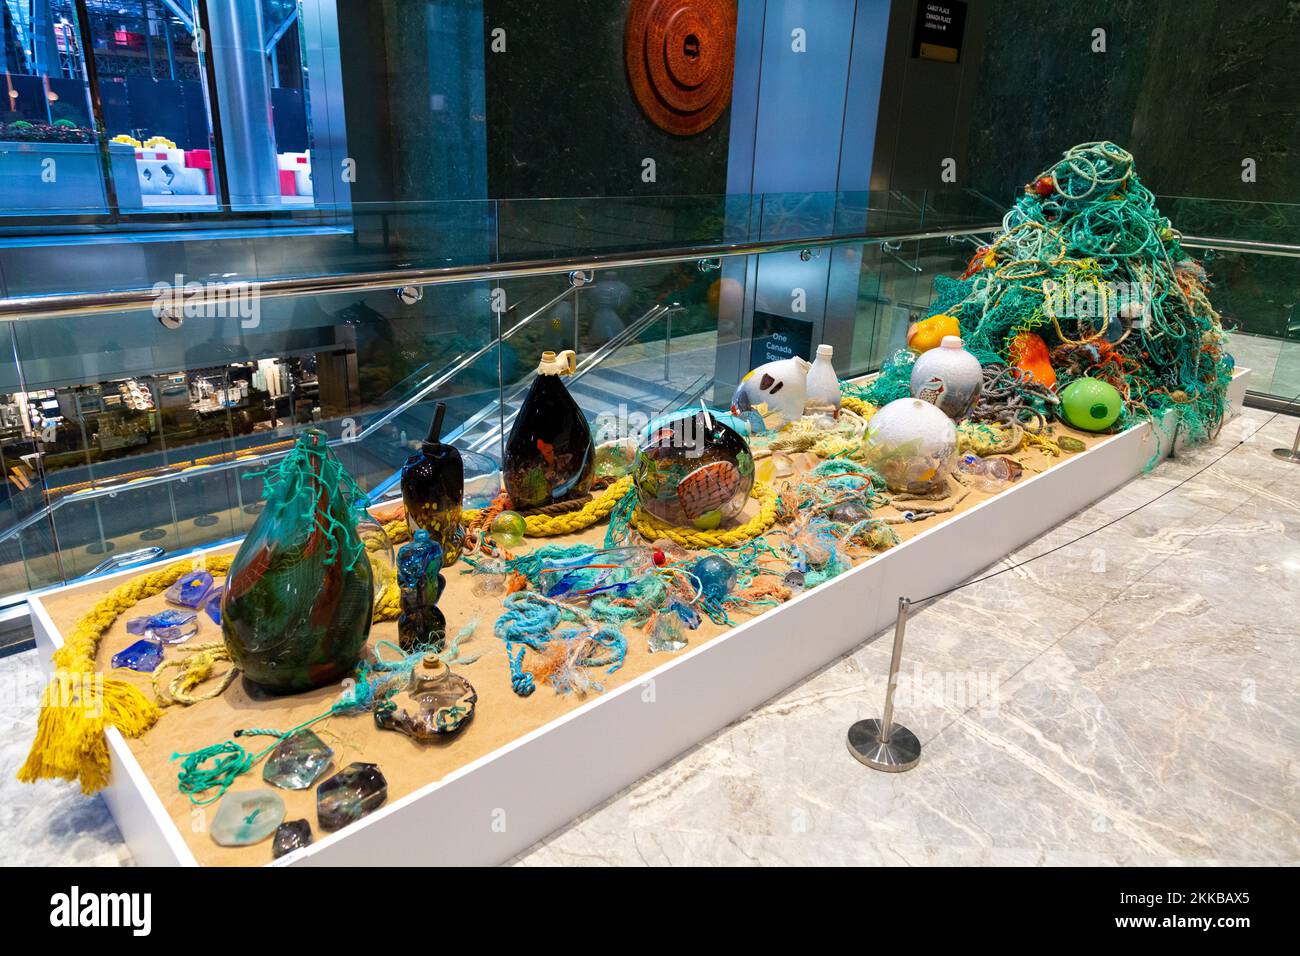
(111, 490)
(20, 308)
(1242, 245)
(595, 358)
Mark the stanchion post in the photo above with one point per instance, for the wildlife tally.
(1291, 454)
(882, 744)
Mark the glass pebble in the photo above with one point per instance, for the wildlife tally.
(247, 817)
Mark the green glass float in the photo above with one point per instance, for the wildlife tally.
(508, 529)
(1090, 404)
(298, 601)
(433, 490)
(549, 457)
(693, 470)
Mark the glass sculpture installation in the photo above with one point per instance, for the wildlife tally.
(420, 623)
(349, 795)
(298, 602)
(549, 457)
(433, 487)
(144, 656)
(507, 529)
(1091, 404)
(780, 387)
(949, 378)
(170, 626)
(912, 445)
(823, 387)
(694, 471)
(434, 704)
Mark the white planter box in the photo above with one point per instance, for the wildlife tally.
(502, 803)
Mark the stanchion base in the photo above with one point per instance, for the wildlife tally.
(901, 752)
(1286, 454)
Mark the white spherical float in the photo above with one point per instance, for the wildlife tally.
(912, 444)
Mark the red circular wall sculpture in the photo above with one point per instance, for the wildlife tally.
(680, 56)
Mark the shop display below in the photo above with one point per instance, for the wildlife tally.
(273, 714)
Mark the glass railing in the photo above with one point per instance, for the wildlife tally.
(123, 440)
(366, 238)
(1251, 253)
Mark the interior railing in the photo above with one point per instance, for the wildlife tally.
(405, 281)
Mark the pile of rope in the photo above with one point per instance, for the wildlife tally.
(1086, 262)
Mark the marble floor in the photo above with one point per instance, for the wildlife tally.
(1130, 698)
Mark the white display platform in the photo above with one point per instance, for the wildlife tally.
(491, 809)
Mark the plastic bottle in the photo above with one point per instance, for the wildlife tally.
(823, 384)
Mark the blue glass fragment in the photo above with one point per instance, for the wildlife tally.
(144, 655)
(170, 627)
(190, 590)
(213, 604)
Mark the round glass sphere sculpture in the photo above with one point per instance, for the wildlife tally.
(912, 445)
(693, 470)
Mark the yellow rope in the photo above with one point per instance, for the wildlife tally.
(194, 670)
(652, 528)
(79, 703)
(540, 526)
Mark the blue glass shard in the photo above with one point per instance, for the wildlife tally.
(213, 604)
(190, 590)
(144, 655)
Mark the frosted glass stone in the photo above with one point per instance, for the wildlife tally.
(247, 817)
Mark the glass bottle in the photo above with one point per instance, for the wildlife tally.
(433, 487)
(549, 457)
(299, 596)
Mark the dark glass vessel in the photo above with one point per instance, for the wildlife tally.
(420, 623)
(298, 601)
(433, 487)
(549, 457)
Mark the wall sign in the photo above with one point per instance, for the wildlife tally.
(940, 25)
(779, 337)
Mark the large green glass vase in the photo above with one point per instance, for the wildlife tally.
(298, 601)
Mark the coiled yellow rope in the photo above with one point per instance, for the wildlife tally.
(541, 526)
(652, 528)
(194, 670)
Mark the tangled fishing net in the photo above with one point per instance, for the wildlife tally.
(1087, 270)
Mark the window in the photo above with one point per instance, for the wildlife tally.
(147, 110)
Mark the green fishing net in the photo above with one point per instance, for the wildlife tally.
(1086, 262)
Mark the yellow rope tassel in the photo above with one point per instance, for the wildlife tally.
(652, 528)
(80, 702)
